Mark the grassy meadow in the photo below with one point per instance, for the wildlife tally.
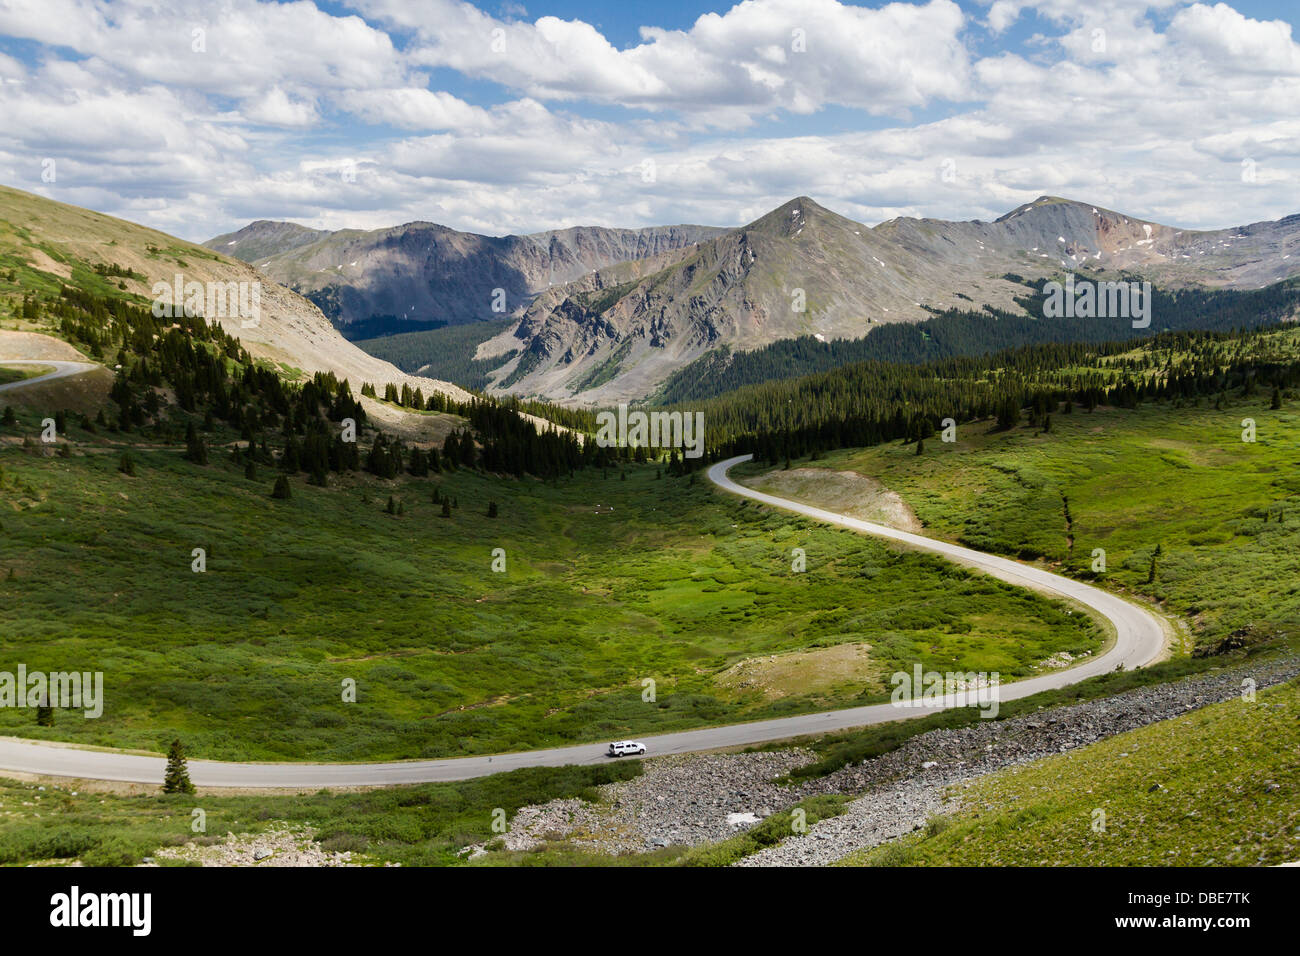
(1175, 486)
(609, 581)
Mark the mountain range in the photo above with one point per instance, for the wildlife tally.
(421, 270)
(804, 270)
(606, 315)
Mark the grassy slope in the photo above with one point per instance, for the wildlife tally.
(46, 243)
(1225, 513)
(422, 826)
(19, 373)
(1220, 786)
(609, 582)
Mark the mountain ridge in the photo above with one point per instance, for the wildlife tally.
(802, 269)
(60, 242)
(424, 270)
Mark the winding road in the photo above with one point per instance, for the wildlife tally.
(61, 370)
(1139, 640)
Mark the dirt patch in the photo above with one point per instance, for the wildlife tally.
(40, 260)
(422, 429)
(845, 492)
(802, 672)
(30, 346)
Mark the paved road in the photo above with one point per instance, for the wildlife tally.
(61, 370)
(1139, 640)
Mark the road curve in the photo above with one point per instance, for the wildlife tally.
(61, 370)
(1139, 640)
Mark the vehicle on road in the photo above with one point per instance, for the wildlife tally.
(626, 748)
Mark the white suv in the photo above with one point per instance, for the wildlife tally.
(625, 748)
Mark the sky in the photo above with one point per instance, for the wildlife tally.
(513, 117)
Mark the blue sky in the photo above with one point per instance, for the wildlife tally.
(513, 117)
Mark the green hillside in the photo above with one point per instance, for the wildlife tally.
(1218, 787)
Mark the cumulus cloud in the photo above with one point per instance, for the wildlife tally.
(285, 110)
(795, 55)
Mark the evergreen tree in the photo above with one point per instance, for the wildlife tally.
(1277, 398)
(446, 508)
(281, 489)
(176, 779)
(196, 449)
(44, 712)
(250, 470)
(126, 464)
(1008, 414)
(10, 418)
(492, 509)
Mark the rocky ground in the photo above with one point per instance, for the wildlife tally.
(688, 799)
(282, 845)
(697, 799)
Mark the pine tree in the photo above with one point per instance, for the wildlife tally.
(920, 445)
(9, 417)
(446, 508)
(126, 464)
(196, 449)
(250, 470)
(281, 489)
(1008, 414)
(1277, 398)
(392, 506)
(176, 779)
(1151, 574)
(44, 712)
(492, 509)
